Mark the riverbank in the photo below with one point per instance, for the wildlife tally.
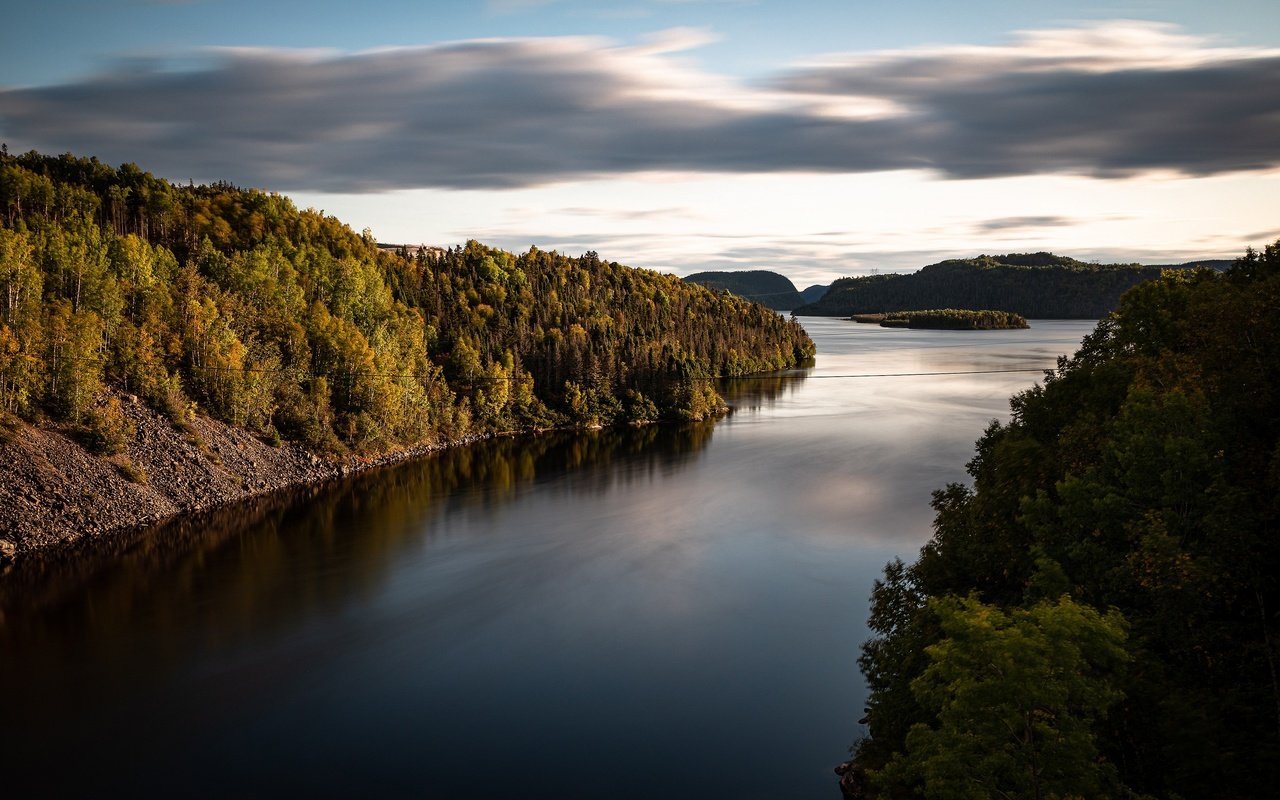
(54, 493)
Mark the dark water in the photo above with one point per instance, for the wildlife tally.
(667, 612)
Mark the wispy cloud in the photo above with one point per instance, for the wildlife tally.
(1264, 236)
(1103, 100)
(627, 215)
(1022, 223)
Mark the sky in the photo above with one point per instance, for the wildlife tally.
(818, 138)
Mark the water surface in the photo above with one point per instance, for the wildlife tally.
(666, 612)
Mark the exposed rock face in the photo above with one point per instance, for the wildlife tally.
(53, 491)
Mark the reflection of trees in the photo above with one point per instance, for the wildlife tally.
(257, 565)
(753, 392)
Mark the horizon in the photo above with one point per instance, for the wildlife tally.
(815, 139)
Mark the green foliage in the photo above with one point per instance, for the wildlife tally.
(234, 303)
(1144, 475)
(951, 319)
(106, 429)
(131, 471)
(1035, 285)
(10, 427)
(1016, 697)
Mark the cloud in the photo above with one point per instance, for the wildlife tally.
(1022, 223)
(1104, 100)
(1264, 236)
(625, 215)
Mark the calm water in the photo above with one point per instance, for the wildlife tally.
(668, 612)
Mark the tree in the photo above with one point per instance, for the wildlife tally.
(289, 322)
(1016, 697)
(73, 365)
(20, 320)
(1146, 472)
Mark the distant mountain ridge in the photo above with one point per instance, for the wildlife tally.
(757, 285)
(1035, 285)
(815, 293)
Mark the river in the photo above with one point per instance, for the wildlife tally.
(668, 612)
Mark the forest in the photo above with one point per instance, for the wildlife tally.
(231, 302)
(1034, 285)
(947, 319)
(1097, 615)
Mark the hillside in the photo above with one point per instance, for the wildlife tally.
(1095, 615)
(230, 303)
(814, 293)
(759, 286)
(1034, 285)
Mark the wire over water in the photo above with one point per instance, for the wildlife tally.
(882, 374)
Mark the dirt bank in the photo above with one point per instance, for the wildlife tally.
(53, 492)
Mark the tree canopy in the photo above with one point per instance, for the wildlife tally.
(1034, 285)
(953, 319)
(232, 302)
(1140, 482)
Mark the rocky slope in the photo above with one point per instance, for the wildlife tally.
(54, 492)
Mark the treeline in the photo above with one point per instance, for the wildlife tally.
(1098, 615)
(946, 319)
(233, 302)
(1034, 285)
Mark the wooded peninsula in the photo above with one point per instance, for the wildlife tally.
(230, 303)
(1098, 615)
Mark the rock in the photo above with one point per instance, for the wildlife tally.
(853, 781)
(53, 491)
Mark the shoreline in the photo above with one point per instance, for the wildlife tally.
(56, 496)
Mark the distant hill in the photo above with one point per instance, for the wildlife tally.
(1220, 264)
(815, 293)
(758, 285)
(1035, 285)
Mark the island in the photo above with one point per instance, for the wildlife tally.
(946, 319)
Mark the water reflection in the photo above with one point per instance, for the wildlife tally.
(113, 575)
(758, 392)
(240, 577)
(622, 613)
